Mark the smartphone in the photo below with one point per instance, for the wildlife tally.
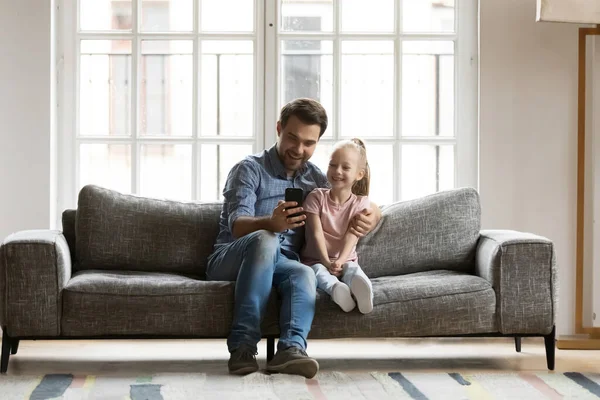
(294, 194)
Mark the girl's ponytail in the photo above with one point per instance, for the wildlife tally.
(361, 187)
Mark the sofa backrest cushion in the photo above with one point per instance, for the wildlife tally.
(439, 231)
(68, 228)
(125, 232)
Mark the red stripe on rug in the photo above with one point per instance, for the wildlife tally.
(315, 389)
(542, 386)
(78, 381)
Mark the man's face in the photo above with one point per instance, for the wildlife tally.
(296, 143)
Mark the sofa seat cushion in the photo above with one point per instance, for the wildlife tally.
(424, 285)
(115, 303)
(433, 303)
(130, 303)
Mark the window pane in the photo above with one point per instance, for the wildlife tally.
(103, 15)
(307, 71)
(300, 15)
(216, 161)
(166, 88)
(426, 169)
(227, 88)
(106, 165)
(167, 15)
(428, 15)
(227, 16)
(367, 88)
(104, 87)
(367, 16)
(166, 171)
(428, 88)
(381, 162)
(322, 155)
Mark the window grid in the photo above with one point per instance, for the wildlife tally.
(135, 140)
(397, 140)
(267, 53)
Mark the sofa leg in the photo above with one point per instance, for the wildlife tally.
(6, 346)
(518, 343)
(270, 348)
(550, 342)
(15, 346)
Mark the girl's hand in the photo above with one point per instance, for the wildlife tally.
(335, 268)
(336, 264)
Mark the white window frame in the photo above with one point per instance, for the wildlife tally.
(68, 97)
(266, 105)
(466, 113)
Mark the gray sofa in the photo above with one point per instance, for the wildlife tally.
(132, 267)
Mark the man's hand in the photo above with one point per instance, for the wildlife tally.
(335, 268)
(280, 220)
(364, 222)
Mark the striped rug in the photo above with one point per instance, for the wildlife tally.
(326, 385)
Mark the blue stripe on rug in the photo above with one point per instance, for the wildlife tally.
(584, 382)
(146, 392)
(408, 386)
(51, 386)
(458, 378)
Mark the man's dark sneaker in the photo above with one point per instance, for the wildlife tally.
(243, 361)
(293, 360)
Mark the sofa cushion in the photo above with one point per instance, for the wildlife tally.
(122, 303)
(439, 231)
(426, 285)
(115, 303)
(433, 303)
(124, 232)
(68, 229)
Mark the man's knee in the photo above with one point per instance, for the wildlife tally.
(305, 277)
(262, 250)
(263, 241)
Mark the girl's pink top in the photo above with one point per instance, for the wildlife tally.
(334, 219)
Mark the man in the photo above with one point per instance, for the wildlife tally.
(258, 243)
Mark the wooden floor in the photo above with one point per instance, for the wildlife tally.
(160, 356)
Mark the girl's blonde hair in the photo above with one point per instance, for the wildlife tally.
(360, 187)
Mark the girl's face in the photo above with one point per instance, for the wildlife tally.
(344, 168)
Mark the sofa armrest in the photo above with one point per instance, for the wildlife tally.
(34, 268)
(521, 268)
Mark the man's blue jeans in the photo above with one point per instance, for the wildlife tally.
(256, 263)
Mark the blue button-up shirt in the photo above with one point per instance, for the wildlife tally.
(253, 188)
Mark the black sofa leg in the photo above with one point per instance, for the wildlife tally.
(6, 347)
(15, 346)
(270, 348)
(518, 343)
(550, 342)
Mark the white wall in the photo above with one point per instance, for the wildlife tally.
(528, 131)
(528, 126)
(25, 115)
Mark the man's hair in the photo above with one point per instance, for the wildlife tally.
(308, 111)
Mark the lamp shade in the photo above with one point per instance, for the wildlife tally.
(576, 11)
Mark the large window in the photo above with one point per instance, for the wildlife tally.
(161, 97)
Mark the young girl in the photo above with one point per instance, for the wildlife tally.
(330, 247)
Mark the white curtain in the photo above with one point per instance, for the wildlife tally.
(578, 11)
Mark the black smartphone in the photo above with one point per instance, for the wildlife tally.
(294, 194)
